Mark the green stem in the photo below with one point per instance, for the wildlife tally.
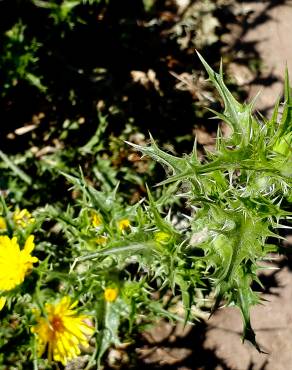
(6, 216)
(109, 251)
(35, 357)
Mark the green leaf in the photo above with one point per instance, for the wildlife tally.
(18, 172)
(236, 115)
(286, 121)
(176, 164)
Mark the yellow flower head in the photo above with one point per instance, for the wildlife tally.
(123, 224)
(62, 331)
(110, 294)
(15, 263)
(96, 219)
(101, 240)
(161, 237)
(3, 225)
(22, 217)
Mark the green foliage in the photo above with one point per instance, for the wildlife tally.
(62, 12)
(148, 256)
(18, 59)
(238, 195)
(201, 234)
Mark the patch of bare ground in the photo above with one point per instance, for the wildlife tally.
(268, 28)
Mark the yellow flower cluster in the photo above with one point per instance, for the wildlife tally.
(62, 331)
(22, 218)
(58, 328)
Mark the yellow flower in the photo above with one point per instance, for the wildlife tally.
(22, 217)
(62, 331)
(110, 294)
(2, 223)
(123, 224)
(101, 240)
(161, 237)
(96, 219)
(15, 263)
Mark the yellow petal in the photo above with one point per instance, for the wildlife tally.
(2, 302)
(29, 244)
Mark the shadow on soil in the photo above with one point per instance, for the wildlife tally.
(246, 51)
(185, 353)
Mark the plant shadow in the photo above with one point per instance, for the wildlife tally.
(186, 351)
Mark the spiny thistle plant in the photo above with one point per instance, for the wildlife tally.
(101, 270)
(239, 194)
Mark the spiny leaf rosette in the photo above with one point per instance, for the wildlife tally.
(239, 193)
